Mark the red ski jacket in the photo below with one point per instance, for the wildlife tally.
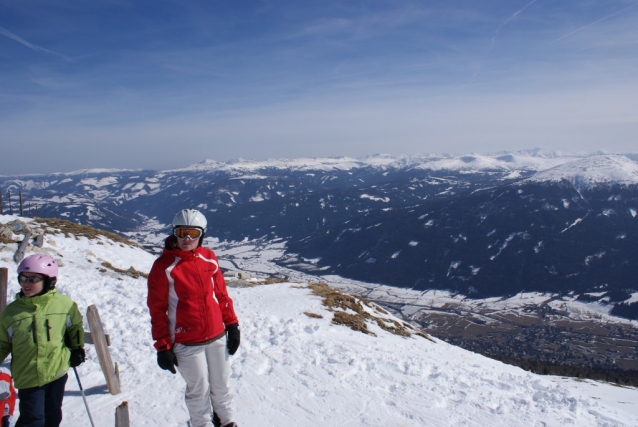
(187, 297)
(8, 394)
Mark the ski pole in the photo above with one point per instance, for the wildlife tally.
(83, 396)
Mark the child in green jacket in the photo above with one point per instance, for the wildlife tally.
(43, 331)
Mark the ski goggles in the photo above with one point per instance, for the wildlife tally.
(29, 279)
(191, 233)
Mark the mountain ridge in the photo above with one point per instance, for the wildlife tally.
(535, 159)
(597, 170)
(359, 221)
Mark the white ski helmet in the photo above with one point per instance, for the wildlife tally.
(190, 218)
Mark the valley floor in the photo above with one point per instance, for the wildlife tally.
(541, 332)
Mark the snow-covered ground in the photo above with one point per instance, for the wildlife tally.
(292, 369)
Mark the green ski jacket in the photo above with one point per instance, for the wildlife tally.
(38, 332)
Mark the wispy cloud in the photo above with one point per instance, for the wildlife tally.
(31, 46)
(594, 23)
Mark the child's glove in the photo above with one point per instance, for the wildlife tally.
(78, 356)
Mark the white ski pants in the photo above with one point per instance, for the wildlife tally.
(206, 370)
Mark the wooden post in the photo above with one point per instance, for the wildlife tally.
(39, 240)
(4, 276)
(21, 211)
(121, 415)
(102, 349)
(19, 256)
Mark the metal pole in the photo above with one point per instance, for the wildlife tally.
(83, 396)
(4, 275)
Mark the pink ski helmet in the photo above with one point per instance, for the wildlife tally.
(38, 263)
(41, 264)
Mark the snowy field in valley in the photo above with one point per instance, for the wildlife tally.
(259, 257)
(292, 369)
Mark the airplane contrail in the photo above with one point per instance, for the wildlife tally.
(31, 46)
(593, 23)
(514, 15)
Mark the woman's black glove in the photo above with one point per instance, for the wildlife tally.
(232, 338)
(6, 422)
(78, 356)
(167, 360)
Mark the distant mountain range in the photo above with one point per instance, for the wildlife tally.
(479, 225)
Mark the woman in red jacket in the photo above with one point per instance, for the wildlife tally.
(7, 397)
(193, 321)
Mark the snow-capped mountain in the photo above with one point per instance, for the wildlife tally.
(592, 171)
(568, 229)
(297, 369)
(123, 200)
(480, 225)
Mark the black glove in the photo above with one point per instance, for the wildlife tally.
(167, 360)
(232, 338)
(78, 356)
(5, 421)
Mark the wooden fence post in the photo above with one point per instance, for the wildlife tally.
(19, 256)
(4, 276)
(102, 350)
(39, 240)
(121, 415)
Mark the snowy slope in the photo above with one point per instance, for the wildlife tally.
(296, 370)
(604, 169)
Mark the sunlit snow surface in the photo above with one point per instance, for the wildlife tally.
(592, 170)
(295, 370)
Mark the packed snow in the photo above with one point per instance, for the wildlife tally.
(292, 369)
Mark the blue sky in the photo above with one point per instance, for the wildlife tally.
(163, 84)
